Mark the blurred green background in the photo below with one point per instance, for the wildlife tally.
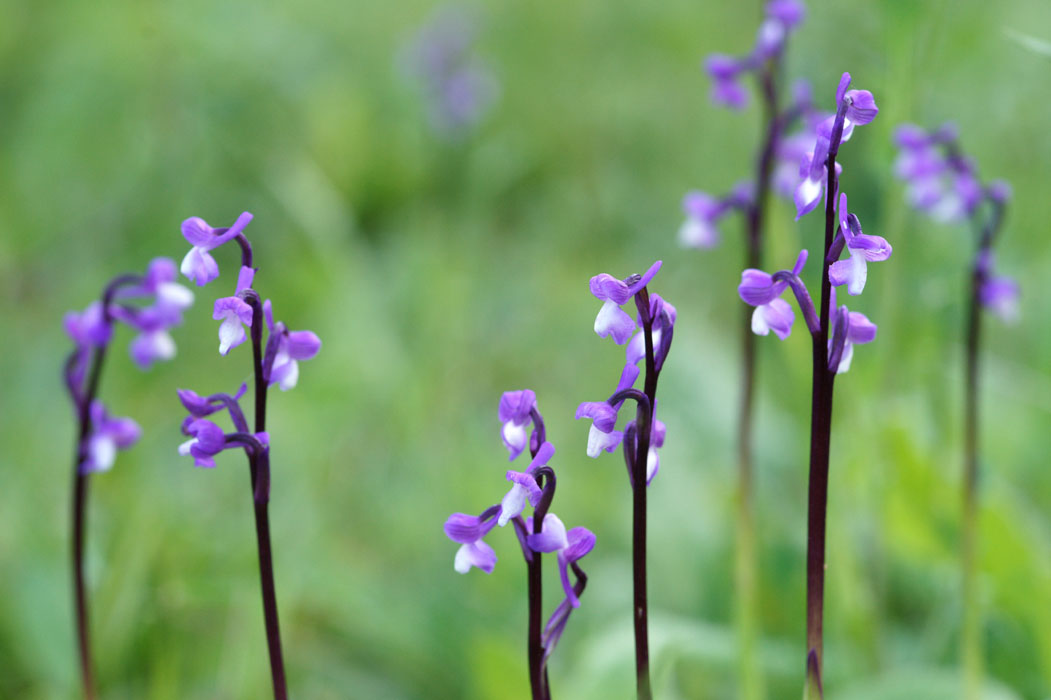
(440, 274)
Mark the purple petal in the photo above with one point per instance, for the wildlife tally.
(580, 541)
(515, 438)
(861, 329)
(244, 279)
(195, 404)
(729, 93)
(516, 406)
(210, 437)
(552, 537)
(861, 106)
(197, 232)
(1000, 295)
(645, 279)
(628, 376)
(700, 205)
(302, 345)
(601, 413)
(757, 288)
(721, 67)
(658, 433)
(465, 529)
(160, 271)
(124, 432)
(808, 194)
(543, 456)
(788, 12)
(151, 346)
(875, 248)
(606, 287)
(841, 90)
(911, 136)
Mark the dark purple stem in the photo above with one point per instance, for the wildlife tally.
(979, 271)
(643, 419)
(259, 468)
(83, 401)
(821, 437)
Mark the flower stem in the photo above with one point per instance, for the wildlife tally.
(972, 617)
(262, 518)
(751, 683)
(534, 649)
(820, 441)
(644, 419)
(83, 401)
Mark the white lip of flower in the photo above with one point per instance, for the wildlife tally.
(290, 375)
(184, 448)
(103, 452)
(697, 233)
(512, 504)
(652, 462)
(606, 316)
(161, 344)
(174, 295)
(515, 435)
(810, 189)
(231, 332)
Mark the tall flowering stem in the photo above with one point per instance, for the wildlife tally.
(944, 183)
(99, 435)
(274, 362)
(776, 167)
(834, 329)
(641, 437)
(541, 533)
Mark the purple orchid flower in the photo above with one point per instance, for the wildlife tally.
(940, 180)
(515, 413)
(703, 212)
(602, 437)
(857, 107)
(107, 436)
(863, 249)
(234, 311)
(663, 315)
(611, 319)
(469, 530)
(207, 440)
(724, 72)
(285, 350)
(198, 265)
(89, 327)
(849, 328)
(571, 547)
(524, 486)
(761, 290)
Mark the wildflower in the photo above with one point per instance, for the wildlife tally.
(285, 349)
(107, 436)
(234, 311)
(854, 271)
(524, 486)
(515, 412)
(724, 71)
(611, 319)
(198, 265)
(762, 291)
(602, 436)
(850, 328)
(469, 530)
(207, 440)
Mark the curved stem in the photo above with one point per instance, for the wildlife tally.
(83, 400)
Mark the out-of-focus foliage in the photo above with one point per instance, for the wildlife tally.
(440, 274)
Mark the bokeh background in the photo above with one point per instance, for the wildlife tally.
(442, 271)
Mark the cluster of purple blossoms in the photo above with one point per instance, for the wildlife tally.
(458, 87)
(854, 107)
(763, 291)
(151, 304)
(782, 152)
(659, 316)
(943, 182)
(782, 16)
(279, 362)
(535, 486)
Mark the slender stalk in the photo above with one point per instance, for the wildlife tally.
(534, 649)
(80, 489)
(644, 419)
(262, 518)
(820, 441)
(972, 617)
(746, 566)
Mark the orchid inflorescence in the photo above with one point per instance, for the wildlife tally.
(944, 183)
(541, 533)
(763, 291)
(275, 362)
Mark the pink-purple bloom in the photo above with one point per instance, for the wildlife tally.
(761, 290)
(468, 531)
(515, 414)
(524, 486)
(198, 265)
(108, 434)
(862, 248)
(611, 319)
